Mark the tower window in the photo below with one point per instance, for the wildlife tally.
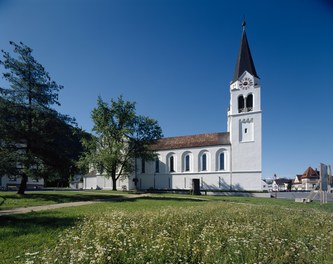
(249, 103)
(241, 104)
(247, 130)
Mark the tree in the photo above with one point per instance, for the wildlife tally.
(121, 136)
(9, 151)
(68, 143)
(32, 133)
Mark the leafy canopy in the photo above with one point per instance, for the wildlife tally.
(121, 136)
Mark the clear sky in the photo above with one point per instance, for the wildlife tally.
(175, 59)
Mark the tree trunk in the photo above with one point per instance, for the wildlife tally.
(114, 180)
(114, 183)
(23, 185)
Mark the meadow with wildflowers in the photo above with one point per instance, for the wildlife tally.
(166, 231)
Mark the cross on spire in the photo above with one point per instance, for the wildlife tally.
(243, 23)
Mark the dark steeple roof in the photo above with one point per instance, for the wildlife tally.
(244, 60)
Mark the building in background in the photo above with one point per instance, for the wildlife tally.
(13, 183)
(307, 181)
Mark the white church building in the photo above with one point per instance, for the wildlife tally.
(229, 160)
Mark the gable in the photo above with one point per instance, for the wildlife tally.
(298, 179)
(310, 173)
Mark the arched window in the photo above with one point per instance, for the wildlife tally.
(221, 161)
(157, 165)
(241, 104)
(143, 166)
(204, 162)
(172, 164)
(249, 102)
(187, 163)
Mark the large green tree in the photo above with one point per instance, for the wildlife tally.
(120, 137)
(33, 135)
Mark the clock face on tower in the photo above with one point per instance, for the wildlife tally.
(245, 83)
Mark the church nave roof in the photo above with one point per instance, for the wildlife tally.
(200, 140)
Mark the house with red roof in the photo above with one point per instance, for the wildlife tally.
(306, 181)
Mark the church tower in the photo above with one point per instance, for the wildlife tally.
(244, 121)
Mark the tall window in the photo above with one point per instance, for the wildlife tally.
(187, 163)
(221, 167)
(249, 103)
(143, 166)
(204, 162)
(172, 164)
(241, 104)
(157, 165)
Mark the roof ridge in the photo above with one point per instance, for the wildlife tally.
(201, 134)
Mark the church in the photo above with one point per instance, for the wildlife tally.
(229, 160)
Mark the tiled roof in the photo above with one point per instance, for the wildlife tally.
(201, 140)
(310, 173)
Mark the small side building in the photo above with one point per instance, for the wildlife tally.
(281, 185)
(13, 183)
(97, 181)
(76, 183)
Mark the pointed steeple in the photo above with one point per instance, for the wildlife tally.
(244, 60)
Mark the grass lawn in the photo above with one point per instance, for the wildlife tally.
(169, 229)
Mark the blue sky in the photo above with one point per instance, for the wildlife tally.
(175, 59)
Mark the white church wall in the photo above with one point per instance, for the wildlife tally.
(105, 183)
(146, 181)
(246, 155)
(246, 181)
(89, 182)
(211, 178)
(163, 181)
(245, 126)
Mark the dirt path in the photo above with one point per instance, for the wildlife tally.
(25, 210)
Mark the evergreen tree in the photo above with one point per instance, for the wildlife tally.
(33, 135)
